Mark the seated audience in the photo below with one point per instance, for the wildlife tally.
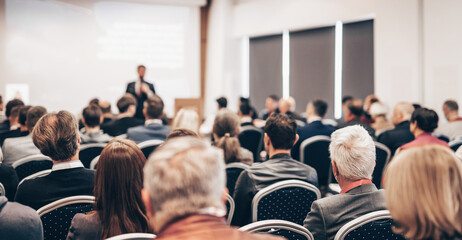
(280, 136)
(315, 112)
(453, 128)
(225, 132)
(14, 118)
(271, 106)
(186, 118)
(153, 127)
(287, 106)
(401, 134)
(243, 100)
(423, 122)
(21, 147)
(19, 222)
(181, 132)
(366, 117)
(353, 114)
(22, 130)
(345, 102)
(184, 193)
(378, 112)
(106, 110)
(57, 136)
(5, 125)
(119, 208)
(125, 119)
(8, 179)
(92, 118)
(206, 127)
(245, 115)
(423, 188)
(353, 160)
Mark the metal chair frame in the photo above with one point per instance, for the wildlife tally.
(277, 224)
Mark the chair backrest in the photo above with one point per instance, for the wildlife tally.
(133, 236)
(233, 170)
(147, 147)
(441, 137)
(289, 230)
(382, 157)
(94, 162)
(251, 138)
(374, 225)
(314, 151)
(454, 145)
(230, 206)
(31, 164)
(89, 151)
(2, 190)
(35, 175)
(57, 216)
(285, 200)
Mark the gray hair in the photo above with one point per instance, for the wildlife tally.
(353, 151)
(183, 176)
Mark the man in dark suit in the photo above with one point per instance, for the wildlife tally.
(401, 134)
(125, 119)
(153, 127)
(353, 161)
(315, 112)
(353, 114)
(57, 136)
(5, 125)
(22, 130)
(245, 114)
(141, 90)
(280, 136)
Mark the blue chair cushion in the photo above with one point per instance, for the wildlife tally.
(57, 222)
(380, 229)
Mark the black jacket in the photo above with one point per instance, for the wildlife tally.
(139, 98)
(119, 126)
(396, 137)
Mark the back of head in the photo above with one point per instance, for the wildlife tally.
(402, 112)
(245, 109)
(57, 135)
(427, 119)
(92, 115)
(187, 118)
(353, 151)
(181, 132)
(284, 105)
(226, 121)
(105, 106)
(118, 184)
(11, 104)
(154, 107)
(355, 107)
(183, 176)
(319, 107)
(281, 130)
(222, 102)
(23, 114)
(346, 99)
(14, 113)
(94, 101)
(378, 109)
(424, 192)
(125, 102)
(33, 116)
(451, 105)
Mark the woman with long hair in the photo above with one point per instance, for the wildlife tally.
(118, 206)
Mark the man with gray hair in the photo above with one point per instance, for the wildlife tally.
(352, 151)
(401, 134)
(184, 192)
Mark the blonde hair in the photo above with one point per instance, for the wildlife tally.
(424, 192)
(186, 118)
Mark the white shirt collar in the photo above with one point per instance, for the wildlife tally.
(314, 118)
(67, 165)
(151, 121)
(246, 119)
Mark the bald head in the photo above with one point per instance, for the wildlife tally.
(284, 105)
(402, 112)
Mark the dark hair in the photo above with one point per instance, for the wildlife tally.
(105, 106)
(11, 104)
(23, 114)
(427, 119)
(356, 110)
(416, 105)
(118, 184)
(222, 102)
(226, 127)
(92, 115)
(245, 109)
(14, 113)
(282, 130)
(94, 101)
(346, 99)
(244, 100)
(33, 115)
(274, 97)
(452, 105)
(140, 66)
(320, 107)
(154, 107)
(126, 101)
(181, 132)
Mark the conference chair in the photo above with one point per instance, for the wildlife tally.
(31, 164)
(89, 151)
(314, 152)
(233, 170)
(94, 162)
(35, 175)
(57, 216)
(133, 236)
(382, 157)
(147, 147)
(374, 225)
(454, 145)
(285, 200)
(2, 190)
(289, 230)
(251, 138)
(230, 206)
(441, 137)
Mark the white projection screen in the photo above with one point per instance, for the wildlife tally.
(62, 53)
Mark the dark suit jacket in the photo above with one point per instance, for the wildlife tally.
(329, 214)
(85, 227)
(139, 98)
(59, 184)
(12, 134)
(119, 126)
(9, 180)
(312, 129)
(5, 126)
(396, 137)
(353, 122)
(260, 175)
(149, 132)
(19, 222)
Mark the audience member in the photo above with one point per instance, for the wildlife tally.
(14, 118)
(345, 101)
(225, 132)
(22, 130)
(125, 120)
(243, 100)
(5, 125)
(271, 106)
(119, 208)
(352, 152)
(57, 136)
(378, 111)
(141, 90)
(423, 188)
(245, 115)
(187, 118)
(453, 128)
(106, 110)
(353, 114)
(287, 106)
(21, 147)
(8, 179)
(280, 136)
(315, 112)
(206, 127)
(181, 132)
(184, 193)
(92, 118)
(153, 127)
(18, 222)
(423, 122)
(368, 101)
